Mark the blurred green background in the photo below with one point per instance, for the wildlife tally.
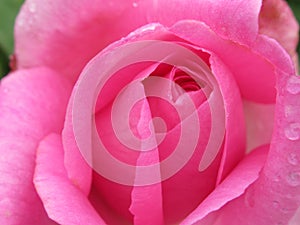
(9, 10)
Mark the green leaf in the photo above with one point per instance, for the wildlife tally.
(295, 5)
(8, 12)
(4, 68)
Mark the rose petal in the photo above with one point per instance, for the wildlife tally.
(273, 52)
(146, 201)
(104, 195)
(79, 172)
(172, 201)
(232, 187)
(256, 83)
(235, 20)
(102, 187)
(234, 145)
(280, 180)
(274, 198)
(64, 202)
(66, 35)
(277, 21)
(260, 122)
(73, 32)
(296, 218)
(26, 115)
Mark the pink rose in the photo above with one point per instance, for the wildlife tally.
(152, 112)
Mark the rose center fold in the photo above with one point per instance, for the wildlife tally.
(150, 113)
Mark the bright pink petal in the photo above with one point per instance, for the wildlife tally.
(175, 206)
(232, 187)
(279, 185)
(277, 21)
(110, 191)
(296, 218)
(146, 201)
(63, 201)
(234, 20)
(253, 73)
(109, 214)
(275, 197)
(66, 35)
(104, 196)
(32, 104)
(273, 52)
(73, 32)
(235, 137)
(79, 172)
(259, 122)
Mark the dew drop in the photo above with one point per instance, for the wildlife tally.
(284, 210)
(275, 204)
(290, 111)
(292, 132)
(276, 178)
(20, 22)
(135, 4)
(149, 27)
(224, 29)
(293, 159)
(293, 179)
(32, 7)
(293, 85)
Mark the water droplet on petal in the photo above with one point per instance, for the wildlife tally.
(292, 132)
(224, 29)
(32, 7)
(20, 22)
(149, 27)
(284, 210)
(293, 85)
(293, 179)
(276, 177)
(293, 159)
(275, 204)
(135, 4)
(290, 111)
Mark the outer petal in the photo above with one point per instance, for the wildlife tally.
(277, 21)
(280, 182)
(146, 205)
(296, 218)
(73, 32)
(235, 138)
(67, 34)
(189, 196)
(232, 187)
(63, 202)
(259, 122)
(79, 172)
(275, 197)
(32, 104)
(234, 20)
(256, 83)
